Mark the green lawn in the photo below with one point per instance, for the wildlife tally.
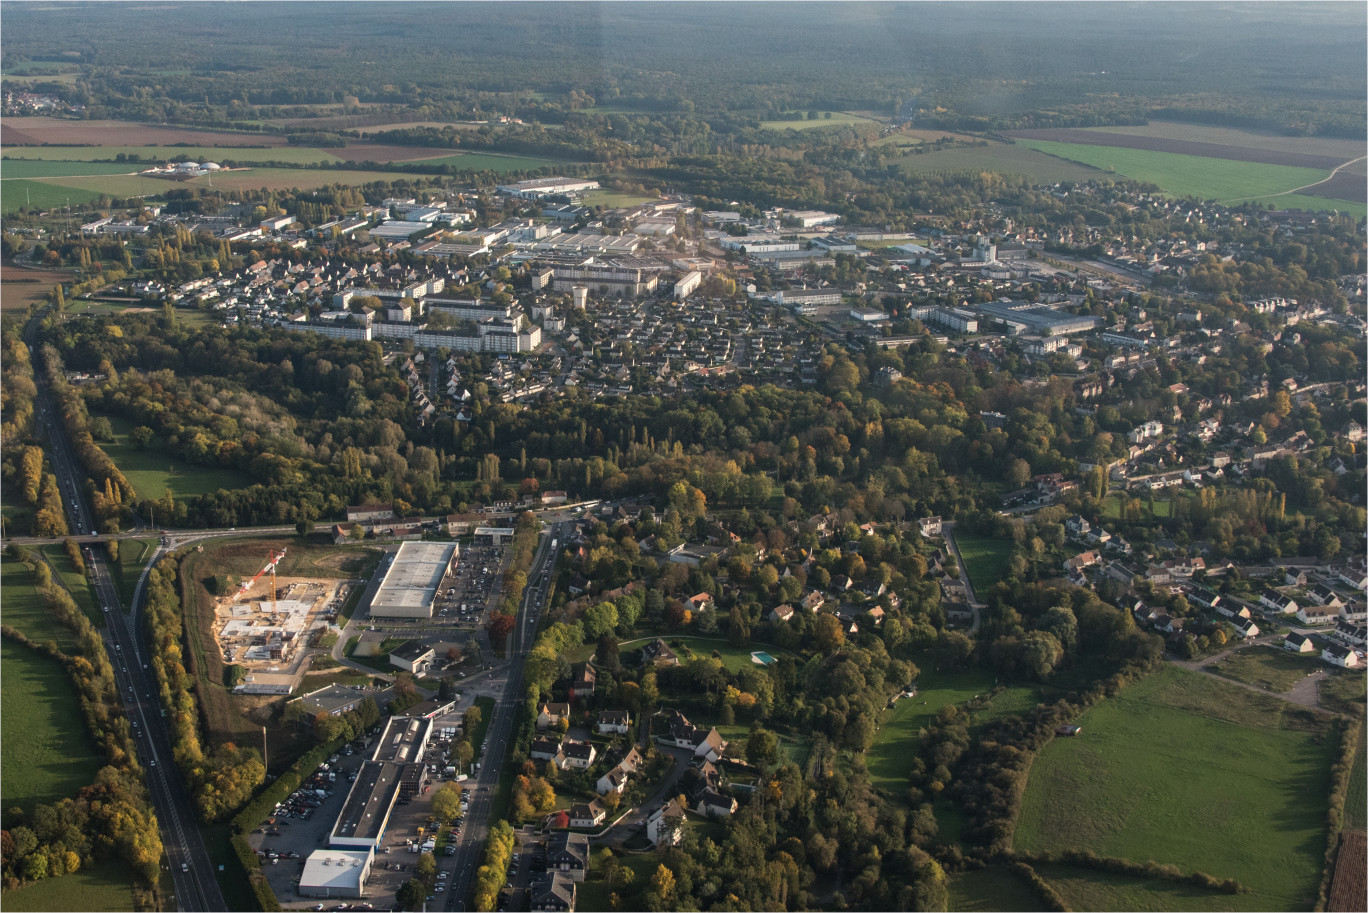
(824, 119)
(13, 169)
(46, 752)
(74, 580)
(985, 559)
(1184, 769)
(613, 199)
(133, 554)
(1270, 668)
(1356, 800)
(102, 887)
(889, 759)
(734, 658)
(989, 890)
(1187, 175)
(1343, 692)
(486, 705)
(23, 608)
(592, 895)
(998, 157)
(1088, 889)
(150, 156)
(1111, 506)
(150, 471)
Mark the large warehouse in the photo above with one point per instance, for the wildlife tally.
(336, 873)
(411, 583)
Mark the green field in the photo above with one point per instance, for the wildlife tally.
(1343, 692)
(1001, 158)
(837, 119)
(1233, 136)
(133, 554)
(1270, 668)
(155, 155)
(985, 559)
(150, 471)
(889, 759)
(38, 195)
(46, 751)
(1187, 175)
(1111, 506)
(1184, 769)
(119, 185)
(1313, 204)
(989, 890)
(13, 169)
(734, 658)
(102, 887)
(615, 199)
(74, 580)
(484, 161)
(23, 608)
(1088, 889)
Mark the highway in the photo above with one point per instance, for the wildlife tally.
(470, 845)
(192, 872)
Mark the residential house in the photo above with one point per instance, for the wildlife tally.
(665, 826)
(929, 526)
(1277, 602)
(1317, 615)
(552, 892)
(705, 743)
(714, 805)
(1298, 643)
(700, 602)
(568, 854)
(1341, 656)
(551, 714)
(813, 601)
(1322, 595)
(1293, 576)
(545, 748)
(1204, 597)
(1076, 564)
(614, 781)
(587, 815)
(577, 754)
(1356, 635)
(781, 613)
(1077, 527)
(1246, 628)
(583, 681)
(657, 653)
(1353, 610)
(613, 721)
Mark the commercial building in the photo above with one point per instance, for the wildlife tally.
(365, 815)
(334, 700)
(336, 873)
(413, 656)
(554, 186)
(1038, 319)
(410, 585)
(803, 298)
(404, 740)
(624, 280)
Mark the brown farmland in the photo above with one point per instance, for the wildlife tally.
(55, 131)
(1349, 890)
(1342, 186)
(1181, 147)
(20, 286)
(381, 153)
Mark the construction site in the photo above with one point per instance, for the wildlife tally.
(267, 624)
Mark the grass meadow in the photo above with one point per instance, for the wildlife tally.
(1270, 668)
(989, 890)
(889, 759)
(613, 199)
(17, 192)
(101, 887)
(155, 155)
(824, 119)
(13, 169)
(46, 752)
(1199, 176)
(985, 559)
(1181, 768)
(1088, 889)
(1356, 800)
(23, 608)
(151, 471)
(485, 161)
(1001, 158)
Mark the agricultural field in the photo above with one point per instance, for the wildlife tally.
(47, 753)
(906, 138)
(20, 287)
(1356, 800)
(985, 559)
(824, 119)
(1177, 744)
(889, 759)
(14, 169)
(1198, 176)
(991, 889)
(1001, 158)
(490, 161)
(101, 887)
(155, 155)
(23, 608)
(1285, 154)
(1270, 668)
(150, 472)
(57, 131)
(1333, 147)
(18, 192)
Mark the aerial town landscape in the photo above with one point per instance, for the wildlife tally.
(605, 457)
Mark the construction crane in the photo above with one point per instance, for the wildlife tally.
(272, 559)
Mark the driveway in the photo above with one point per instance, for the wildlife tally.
(948, 529)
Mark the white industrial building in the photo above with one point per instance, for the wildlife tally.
(548, 186)
(410, 585)
(336, 873)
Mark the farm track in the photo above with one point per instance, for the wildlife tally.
(1326, 184)
(1181, 147)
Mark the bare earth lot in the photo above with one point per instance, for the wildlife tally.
(1183, 147)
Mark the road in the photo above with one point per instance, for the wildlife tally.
(948, 529)
(1306, 692)
(196, 887)
(494, 753)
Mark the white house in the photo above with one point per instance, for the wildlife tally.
(665, 826)
(1340, 656)
(1298, 643)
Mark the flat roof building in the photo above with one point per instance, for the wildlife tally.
(410, 585)
(404, 740)
(334, 700)
(414, 656)
(1038, 319)
(365, 815)
(336, 873)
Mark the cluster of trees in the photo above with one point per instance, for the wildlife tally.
(220, 779)
(327, 728)
(533, 795)
(110, 819)
(493, 870)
